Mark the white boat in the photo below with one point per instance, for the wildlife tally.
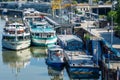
(42, 33)
(16, 36)
(55, 57)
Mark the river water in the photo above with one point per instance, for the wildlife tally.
(27, 64)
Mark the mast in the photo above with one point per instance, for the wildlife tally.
(16, 39)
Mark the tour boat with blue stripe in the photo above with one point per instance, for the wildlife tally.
(42, 33)
(43, 36)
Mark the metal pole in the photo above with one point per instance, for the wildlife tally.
(98, 16)
(111, 31)
(108, 65)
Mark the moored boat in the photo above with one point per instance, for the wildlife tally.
(43, 36)
(42, 33)
(55, 57)
(16, 35)
(80, 64)
(77, 60)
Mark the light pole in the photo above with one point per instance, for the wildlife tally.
(111, 41)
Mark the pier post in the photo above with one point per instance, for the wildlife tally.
(118, 74)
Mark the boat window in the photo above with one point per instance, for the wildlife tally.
(20, 31)
(12, 32)
(27, 30)
(20, 38)
(40, 34)
(32, 34)
(4, 37)
(48, 35)
(9, 38)
(52, 34)
(37, 34)
(37, 19)
(27, 37)
(44, 35)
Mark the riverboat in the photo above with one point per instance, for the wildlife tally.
(42, 33)
(16, 35)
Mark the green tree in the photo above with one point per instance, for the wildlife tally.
(118, 16)
(74, 2)
(117, 28)
(112, 14)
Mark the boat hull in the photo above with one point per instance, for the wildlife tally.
(82, 76)
(16, 45)
(83, 70)
(57, 65)
(44, 41)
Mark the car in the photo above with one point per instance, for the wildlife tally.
(100, 2)
(77, 24)
(82, 19)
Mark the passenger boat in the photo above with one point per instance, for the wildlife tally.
(42, 33)
(55, 57)
(16, 36)
(43, 36)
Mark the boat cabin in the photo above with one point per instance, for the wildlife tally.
(70, 42)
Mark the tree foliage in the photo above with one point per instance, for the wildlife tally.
(113, 14)
(118, 16)
(74, 2)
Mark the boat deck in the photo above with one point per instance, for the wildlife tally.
(79, 59)
(68, 37)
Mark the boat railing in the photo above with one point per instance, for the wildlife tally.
(83, 65)
(12, 40)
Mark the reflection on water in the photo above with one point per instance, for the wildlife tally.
(38, 52)
(16, 59)
(55, 74)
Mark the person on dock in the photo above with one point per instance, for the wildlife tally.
(108, 27)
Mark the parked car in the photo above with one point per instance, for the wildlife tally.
(77, 24)
(100, 2)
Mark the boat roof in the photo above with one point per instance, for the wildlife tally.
(16, 23)
(69, 38)
(40, 22)
(55, 48)
(41, 30)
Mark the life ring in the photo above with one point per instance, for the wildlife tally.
(20, 31)
(58, 54)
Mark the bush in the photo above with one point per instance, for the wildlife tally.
(117, 31)
(108, 2)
